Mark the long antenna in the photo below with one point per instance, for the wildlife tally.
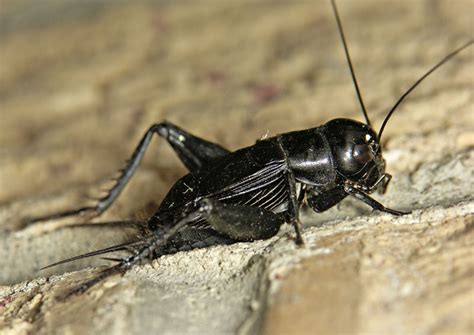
(404, 95)
(346, 50)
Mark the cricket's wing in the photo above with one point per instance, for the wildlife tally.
(266, 188)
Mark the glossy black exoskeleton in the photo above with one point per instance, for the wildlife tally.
(248, 194)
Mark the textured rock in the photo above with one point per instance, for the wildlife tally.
(81, 81)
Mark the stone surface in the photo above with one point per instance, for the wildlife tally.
(81, 81)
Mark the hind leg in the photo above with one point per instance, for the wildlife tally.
(241, 223)
(193, 238)
(193, 152)
(228, 223)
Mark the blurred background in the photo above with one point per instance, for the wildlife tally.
(80, 81)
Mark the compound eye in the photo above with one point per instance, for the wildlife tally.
(362, 153)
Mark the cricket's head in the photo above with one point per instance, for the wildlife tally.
(358, 150)
(357, 154)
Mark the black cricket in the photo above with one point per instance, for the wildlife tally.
(248, 194)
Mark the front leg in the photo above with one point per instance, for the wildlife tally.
(351, 190)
